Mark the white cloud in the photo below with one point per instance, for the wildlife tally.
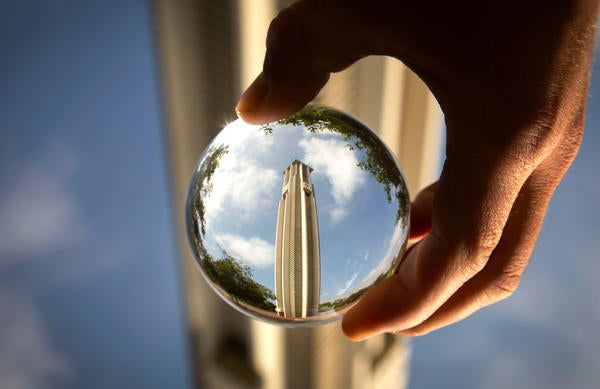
(39, 213)
(41, 216)
(28, 359)
(254, 251)
(394, 245)
(348, 284)
(338, 213)
(338, 163)
(344, 289)
(248, 196)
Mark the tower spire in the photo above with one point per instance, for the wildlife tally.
(297, 250)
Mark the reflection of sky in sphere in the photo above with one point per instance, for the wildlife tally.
(359, 235)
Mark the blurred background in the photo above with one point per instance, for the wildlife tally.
(104, 109)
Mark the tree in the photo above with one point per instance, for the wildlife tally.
(203, 186)
(377, 161)
(236, 279)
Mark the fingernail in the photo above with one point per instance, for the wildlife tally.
(254, 95)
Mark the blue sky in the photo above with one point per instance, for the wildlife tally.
(89, 289)
(89, 293)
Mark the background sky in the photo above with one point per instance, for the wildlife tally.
(89, 291)
(89, 295)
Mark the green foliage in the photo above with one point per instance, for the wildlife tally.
(377, 160)
(236, 279)
(227, 272)
(209, 164)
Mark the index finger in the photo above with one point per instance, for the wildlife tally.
(305, 44)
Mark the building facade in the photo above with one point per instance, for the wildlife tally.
(297, 251)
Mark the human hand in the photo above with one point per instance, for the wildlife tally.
(511, 79)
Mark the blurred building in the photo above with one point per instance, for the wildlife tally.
(209, 52)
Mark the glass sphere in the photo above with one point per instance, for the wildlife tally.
(293, 221)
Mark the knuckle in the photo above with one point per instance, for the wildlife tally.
(470, 255)
(469, 267)
(473, 265)
(528, 150)
(477, 251)
(572, 140)
(484, 241)
(503, 286)
(539, 138)
(546, 133)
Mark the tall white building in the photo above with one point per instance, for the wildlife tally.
(297, 250)
(209, 53)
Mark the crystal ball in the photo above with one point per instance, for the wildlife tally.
(293, 221)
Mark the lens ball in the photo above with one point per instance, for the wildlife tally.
(293, 221)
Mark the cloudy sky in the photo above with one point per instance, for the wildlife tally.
(88, 280)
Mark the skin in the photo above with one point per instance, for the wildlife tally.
(511, 79)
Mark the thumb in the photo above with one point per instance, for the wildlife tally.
(305, 43)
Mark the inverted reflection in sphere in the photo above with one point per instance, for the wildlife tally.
(293, 221)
